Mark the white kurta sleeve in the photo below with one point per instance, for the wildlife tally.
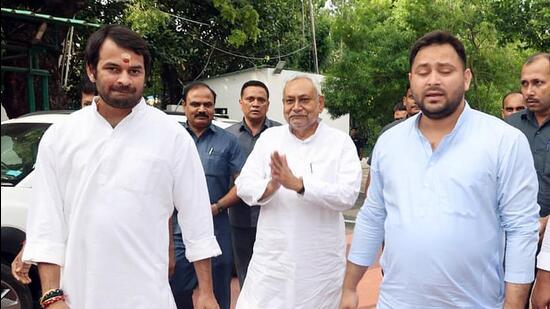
(46, 225)
(543, 260)
(193, 203)
(339, 195)
(253, 179)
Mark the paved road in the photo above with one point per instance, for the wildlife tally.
(368, 286)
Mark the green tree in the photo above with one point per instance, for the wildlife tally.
(19, 36)
(369, 69)
(221, 36)
(524, 20)
(189, 39)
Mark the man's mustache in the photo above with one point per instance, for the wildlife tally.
(125, 89)
(438, 89)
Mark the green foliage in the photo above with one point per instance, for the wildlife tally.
(525, 20)
(196, 39)
(244, 16)
(362, 44)
(145, 18)
(368, 71)
(237, 37)
(220, 36)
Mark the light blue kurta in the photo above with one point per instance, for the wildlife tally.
(446, 216)
(102, 200)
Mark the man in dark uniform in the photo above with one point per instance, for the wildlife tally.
(534, 122)
(254, 104)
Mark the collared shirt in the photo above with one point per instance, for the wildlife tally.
(446, 216)
(241, 214)
(543, 260)
(102, 200)
(298, 259)
(539, 140)
(221, 159)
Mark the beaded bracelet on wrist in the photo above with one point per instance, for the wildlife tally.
(52, 300)
(50, 294)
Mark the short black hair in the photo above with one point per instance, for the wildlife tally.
(399, 106)
(255, 83)
(86, 85)
(438, 38)
(195, 85)
(124, 38)
(509, 94)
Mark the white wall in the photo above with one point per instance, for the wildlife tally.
(228, 88)
(4, 114)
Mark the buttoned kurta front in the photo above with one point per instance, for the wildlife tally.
(457, 221)
(103, 197)
(298, 259)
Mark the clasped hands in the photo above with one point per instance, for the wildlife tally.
(281, 175)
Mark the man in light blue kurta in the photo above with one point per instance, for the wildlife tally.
(453, 196)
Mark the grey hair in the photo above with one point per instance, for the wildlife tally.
(313, 81)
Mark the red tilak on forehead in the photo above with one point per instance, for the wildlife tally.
(125, 57)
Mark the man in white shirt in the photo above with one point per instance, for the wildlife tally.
(20, 270)
(106, 182)
(303, 175)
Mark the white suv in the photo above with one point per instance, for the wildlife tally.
(20, 138)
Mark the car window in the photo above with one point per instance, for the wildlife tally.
(19, 149)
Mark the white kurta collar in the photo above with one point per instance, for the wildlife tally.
(135, 110)
(312, 137)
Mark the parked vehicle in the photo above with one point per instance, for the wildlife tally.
(20, 139)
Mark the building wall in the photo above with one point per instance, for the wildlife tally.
(4, 114)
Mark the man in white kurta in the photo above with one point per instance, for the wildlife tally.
(102, 206)
(103, 195)
(299, 254)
